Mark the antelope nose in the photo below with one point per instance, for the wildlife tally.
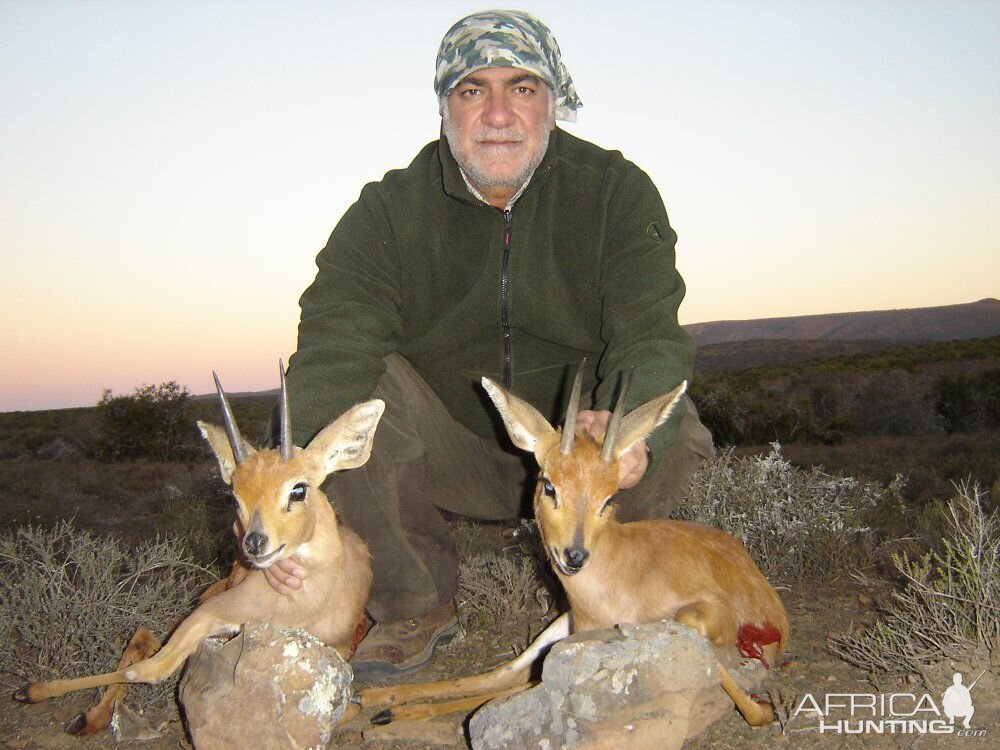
(254, 543)
(576, 557)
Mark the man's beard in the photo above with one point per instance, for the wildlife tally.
(477, 174)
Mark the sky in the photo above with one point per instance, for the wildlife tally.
(169, 170)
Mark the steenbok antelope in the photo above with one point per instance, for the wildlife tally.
(613, 572)
(280, 511)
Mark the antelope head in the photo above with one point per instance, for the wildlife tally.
(578, 477)
(277, 490)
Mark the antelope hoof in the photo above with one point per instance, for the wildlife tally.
(382, 718)
(77, 724)
(766, 713)
(24, 695)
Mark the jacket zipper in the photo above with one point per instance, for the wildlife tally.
(505, 298)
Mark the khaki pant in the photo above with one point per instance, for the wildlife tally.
(424, 461)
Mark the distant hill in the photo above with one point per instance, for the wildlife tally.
(945, 323)
(728, 345)
(739, 355)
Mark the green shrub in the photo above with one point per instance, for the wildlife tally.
(828, 401)
(966, 403)
(893, 402)
(722, 411)
(149, 423)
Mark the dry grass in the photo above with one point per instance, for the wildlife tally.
(496, 588)
(949, 604)
(70, 600)
(499, 583)
(797, 524)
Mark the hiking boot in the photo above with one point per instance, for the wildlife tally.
(393, 648)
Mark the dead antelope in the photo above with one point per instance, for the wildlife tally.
(280, 511)
(613, 572)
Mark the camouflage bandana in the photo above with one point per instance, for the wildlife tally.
(505, 39)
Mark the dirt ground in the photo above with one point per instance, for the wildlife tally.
(808, 668)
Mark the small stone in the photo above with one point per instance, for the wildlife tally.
(129, 726)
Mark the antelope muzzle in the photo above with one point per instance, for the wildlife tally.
(572, 560)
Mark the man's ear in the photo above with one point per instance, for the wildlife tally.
(346, 443)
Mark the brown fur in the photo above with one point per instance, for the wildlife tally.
(634, 572)
(645, 571)
(330, 603)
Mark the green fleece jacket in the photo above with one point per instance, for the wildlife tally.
(582, 265)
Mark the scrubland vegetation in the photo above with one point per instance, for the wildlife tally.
(869, 470)
(930, 412)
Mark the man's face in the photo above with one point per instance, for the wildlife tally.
(497, 122)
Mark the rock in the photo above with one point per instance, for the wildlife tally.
(129, 726)
(268, 687)
(648, 686)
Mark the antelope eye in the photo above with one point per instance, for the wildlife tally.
(607, 504)
(548, 489)
(298, 493)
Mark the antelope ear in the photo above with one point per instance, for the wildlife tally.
(525, 424)
(640, 424)
(218, 441)
(346, 443)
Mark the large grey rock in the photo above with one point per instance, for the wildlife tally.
(648, 686)
(268, 687)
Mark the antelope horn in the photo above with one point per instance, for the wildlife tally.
(616, 419)
(569, 426)
(286, 427)
(235, 439)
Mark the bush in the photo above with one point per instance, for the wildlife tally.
(966, 403)
(150, 423)
(949, 607)
(70, 601)
(741, 413)
(724, 413)
(893, 402)
(496, 588)
(796, 524)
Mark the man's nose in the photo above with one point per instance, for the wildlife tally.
(498, 113)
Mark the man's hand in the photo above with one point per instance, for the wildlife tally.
(285, 576)
(632, 464)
